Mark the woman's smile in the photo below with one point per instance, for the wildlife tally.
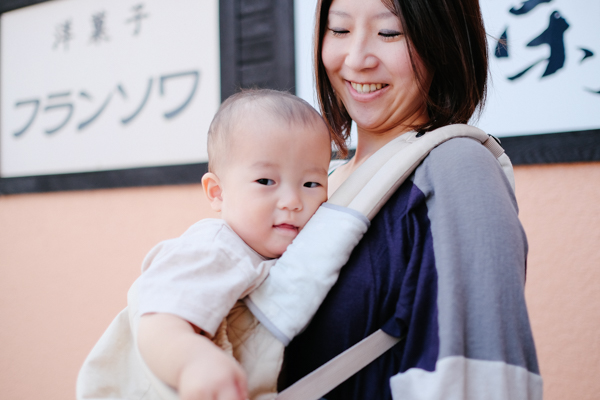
(366, 57)
(367, 87)
(364, 92)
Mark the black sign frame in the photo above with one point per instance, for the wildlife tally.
(257, 50)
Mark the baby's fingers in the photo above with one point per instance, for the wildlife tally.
(231, 392)
(241, 385)
(222, 381)
(218, 391)
(236, 387)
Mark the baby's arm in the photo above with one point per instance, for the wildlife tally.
(188, 361)
(188, 283)
(287, 300)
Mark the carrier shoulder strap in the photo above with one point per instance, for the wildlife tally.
(366, 191)
(329, 375)
(373, 183)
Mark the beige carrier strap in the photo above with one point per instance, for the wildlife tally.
(366, 191)
(374, 182)
(325, 378)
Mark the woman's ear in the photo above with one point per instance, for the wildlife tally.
(213, 190)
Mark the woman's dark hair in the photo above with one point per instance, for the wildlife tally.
(448, 37)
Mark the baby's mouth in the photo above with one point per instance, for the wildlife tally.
(287, 228)
(367, 87)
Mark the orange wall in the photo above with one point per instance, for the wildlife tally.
(560, 209)
(66, 262)
(67, 259)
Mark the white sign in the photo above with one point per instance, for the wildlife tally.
(547, 80)
(91, 85)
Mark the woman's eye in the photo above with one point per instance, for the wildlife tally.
(389, 33)
(312, 184)
(338, 31)
(265, 181)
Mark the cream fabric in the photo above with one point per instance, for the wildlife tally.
(207, 271)
(200, 275)
(364, 192)
(460, 378)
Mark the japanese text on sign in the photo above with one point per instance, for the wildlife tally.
(107, 84)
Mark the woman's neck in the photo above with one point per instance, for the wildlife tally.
(368, 144)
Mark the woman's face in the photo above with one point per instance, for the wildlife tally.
(367, 61)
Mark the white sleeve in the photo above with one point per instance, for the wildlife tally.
(200, 275)
(297, 284)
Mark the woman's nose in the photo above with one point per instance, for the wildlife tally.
(359, 55)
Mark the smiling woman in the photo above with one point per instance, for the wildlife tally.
(367, 60)
(443, 262)
(455, 50)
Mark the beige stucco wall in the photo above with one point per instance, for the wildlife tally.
(67, 259)
(560, 209)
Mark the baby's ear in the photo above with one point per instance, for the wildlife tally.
(213, 191)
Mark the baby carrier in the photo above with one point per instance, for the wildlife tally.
(115, 363)
(366, 191)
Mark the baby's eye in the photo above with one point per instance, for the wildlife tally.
(265, 181)
(389, 33)
(312, 184)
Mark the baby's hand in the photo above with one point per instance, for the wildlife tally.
(188, 361)
(216, 376)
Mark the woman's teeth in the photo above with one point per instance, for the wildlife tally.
(367, 87)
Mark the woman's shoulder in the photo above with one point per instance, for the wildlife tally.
(460, 159)
(461, 152)
(462, 169)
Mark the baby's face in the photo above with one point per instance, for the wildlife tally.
(275, 180)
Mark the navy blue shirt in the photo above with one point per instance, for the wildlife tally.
(442, 264)
(393, 262)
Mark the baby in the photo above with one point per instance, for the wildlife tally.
(269, 153)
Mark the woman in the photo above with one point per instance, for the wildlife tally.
(443, 263)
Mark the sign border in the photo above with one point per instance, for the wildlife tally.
(552, 148)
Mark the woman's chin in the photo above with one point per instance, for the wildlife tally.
(366, 121)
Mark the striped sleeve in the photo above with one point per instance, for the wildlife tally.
(486, 347)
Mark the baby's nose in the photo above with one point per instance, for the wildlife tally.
(290, 200)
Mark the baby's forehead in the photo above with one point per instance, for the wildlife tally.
(255, 111)
(282, 110)
(249, 121)
(261, 112)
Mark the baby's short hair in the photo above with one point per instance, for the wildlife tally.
(280, 105)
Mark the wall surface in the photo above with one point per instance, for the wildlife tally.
(560, 210)
(67, 260)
